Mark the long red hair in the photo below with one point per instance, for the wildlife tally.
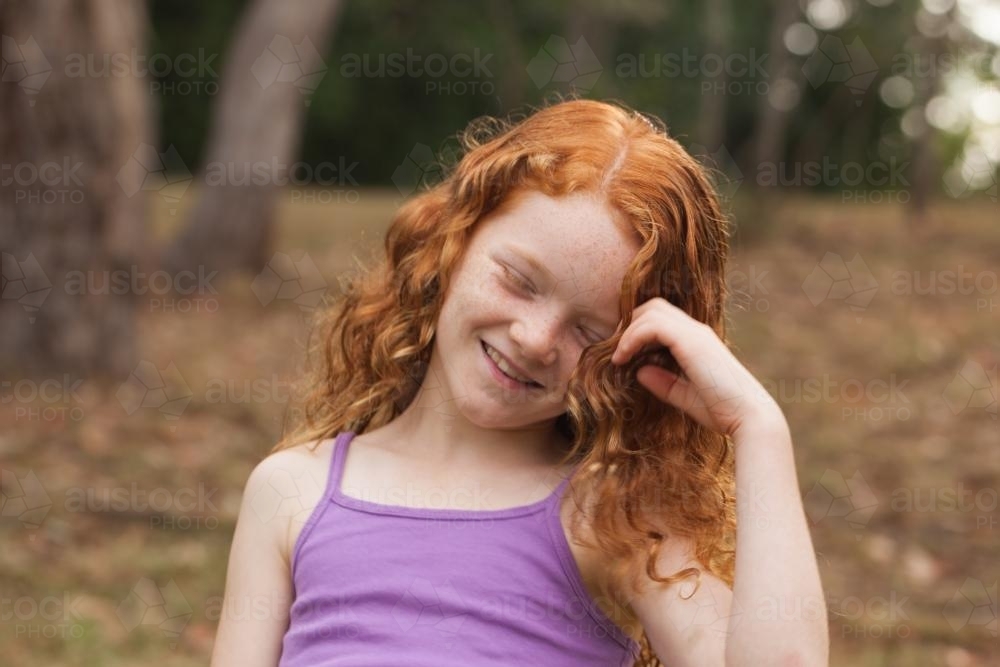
(647, 471)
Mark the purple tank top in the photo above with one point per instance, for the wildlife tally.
(378, 585)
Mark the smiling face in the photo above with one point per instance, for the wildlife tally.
(538, 283)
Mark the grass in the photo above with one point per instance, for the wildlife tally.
(908, 443)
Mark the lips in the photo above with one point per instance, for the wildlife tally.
(486, 348)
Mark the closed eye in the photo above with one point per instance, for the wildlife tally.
(523, 285)
(517, 279)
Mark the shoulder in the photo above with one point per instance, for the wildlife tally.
(285, 466)
(284, 488)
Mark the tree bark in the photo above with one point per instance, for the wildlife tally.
(712, 119)
(772, 123)
(925, 170)
(511, 93)
(64, 136)
(270, 71)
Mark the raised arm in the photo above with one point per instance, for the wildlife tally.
(775, 613)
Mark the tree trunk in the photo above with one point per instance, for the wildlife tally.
(772, 122)
(511, 89)
(64, 137)
(712, 119)
(924, 170)
(270, 71)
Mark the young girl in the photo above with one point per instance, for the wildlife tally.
(528, 442)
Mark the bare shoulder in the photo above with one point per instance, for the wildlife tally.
(285, 487)
(279, 490)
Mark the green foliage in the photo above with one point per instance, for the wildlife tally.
(364, 112)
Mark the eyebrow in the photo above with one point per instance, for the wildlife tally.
(535, 264)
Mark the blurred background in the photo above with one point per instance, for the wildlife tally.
(184, 184)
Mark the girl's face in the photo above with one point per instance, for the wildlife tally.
(539, 282)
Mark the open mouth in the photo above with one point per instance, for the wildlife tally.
(494, 366)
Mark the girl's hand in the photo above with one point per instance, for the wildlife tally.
(716, 390)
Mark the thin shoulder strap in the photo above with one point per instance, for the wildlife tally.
(332, 485)
(556, 496)
(337, 459)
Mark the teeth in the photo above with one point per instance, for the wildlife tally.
(504, 366)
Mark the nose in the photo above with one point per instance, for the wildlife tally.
(537, 337)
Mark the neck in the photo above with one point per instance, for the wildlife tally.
(441, 434)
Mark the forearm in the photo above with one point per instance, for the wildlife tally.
(778, 604)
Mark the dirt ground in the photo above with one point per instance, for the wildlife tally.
(888, 394)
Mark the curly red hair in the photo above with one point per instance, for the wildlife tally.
(647, 471)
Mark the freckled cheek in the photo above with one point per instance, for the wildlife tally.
(485, 294)
(477, 297)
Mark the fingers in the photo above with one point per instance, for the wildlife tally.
(690, 347)
(655, 328)
(675, 391)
